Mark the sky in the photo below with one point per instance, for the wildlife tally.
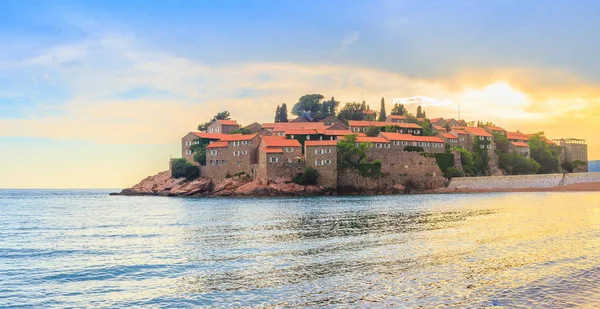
(97, 94)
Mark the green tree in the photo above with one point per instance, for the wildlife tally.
(398, 109)
(244, 131)
(502, 143)
(328, 108)
(481, 157)
(428, 128)
(310, 176)
(516, 164)
(372, 131)
(224, 115)
(544, 154)
(278, 114)
(308, 105)
(453, 172)
(351, 111)
(182, 168)
(466, 160)
(283, 113)
(350, 152)
(382, 113)
(419, 112)
(567, 166)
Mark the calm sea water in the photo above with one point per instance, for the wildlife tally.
(86, 249)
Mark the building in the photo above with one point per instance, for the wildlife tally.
(464, 140)
(397, 118)
(222, 126)
(291, 149)
(449, 138)
(401, 141)
(322, 156)
(403, 128)
(482, 137)
(195, 138)
(574, 150)
(369, 115)
(378, 142)
(254, 127)
(438, 122)
(495, 130)
(520, 147)
(517, 137)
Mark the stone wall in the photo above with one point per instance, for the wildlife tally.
(283, 170)
(350, 181)
(506, 182)
(219, 173)
(404, 163)
(570, 179)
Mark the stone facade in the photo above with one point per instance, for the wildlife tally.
(574, 150)
(400, 141)
(222, 126)
(322, 156)
(254, 127)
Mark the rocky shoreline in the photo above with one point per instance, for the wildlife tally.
(238, 186)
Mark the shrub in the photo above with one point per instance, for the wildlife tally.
(452, 172)
(516, 164)
(444, 160)
(414, 149)
(182, 168)
(309, 177)
(567, 166)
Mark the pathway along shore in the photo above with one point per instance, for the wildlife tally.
(576, 182)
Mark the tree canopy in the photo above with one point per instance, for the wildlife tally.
(224, 115)
(382, 113)
(349, 153)
(398, 109)
(312, 107)
(351, 111)
(544, 154)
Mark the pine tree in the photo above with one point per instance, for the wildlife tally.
(363, 106)
(424, 115)
(277, 114)
(382, 114)
(419, 112)
(283, 113)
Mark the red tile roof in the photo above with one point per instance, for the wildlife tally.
(338, 132)
(434, 120)
(369, 139)
(301, 131)
(477, 131)
(408, 137)
(494, 128)
(448, 135)
(439, 128)
(237, 137)
(294, 125)
(209, 135)
(460, 131)
(217, 145)
(356, 123)
(516, 136)
(227, 122)
(320, 143)
(547, 140)
(272, 142)
(519, 144)
(401, 117)
(368, 112)
(272, 150)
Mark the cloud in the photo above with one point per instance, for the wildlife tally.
(348, 39)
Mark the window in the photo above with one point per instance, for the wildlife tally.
(210, 130)
(245, 152)
(244, 142)
(212, 162)
(415, 144)
(308, 137)
(365, 129)
(482, 146)
(239, 163)
(289, 149)
(386, 145)
(481, 138)
(274, 159)
(328, 161)
(188, 143)
(329, 151)
(462, 139)
(223, 162)
(217, 129)
(489, 146)
(236, 153)
(217, 161)
(189, 152)
(489, 138)
(410, 131)
(356, 129)
(213, 152)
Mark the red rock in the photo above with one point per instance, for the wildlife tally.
(314, 190)
(253, 188)
(191, 187)
(287, 188)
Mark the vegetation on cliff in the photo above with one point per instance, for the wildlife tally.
(181, 168)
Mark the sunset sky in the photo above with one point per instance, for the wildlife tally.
(99, 94)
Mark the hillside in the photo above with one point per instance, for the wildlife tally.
(594, 166)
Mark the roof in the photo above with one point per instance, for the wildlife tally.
(408, 137)
(398, 117)
(278, 142)
(491, 128)
(300, 131)
(227, 122)
(546, 139)
(519, 144)
(338, 132)
(439, 128)
(368, 112)
(217, 145)
(434, 120)
(237, 137)
(369, 139)
(356, 123)
(460, 131)
(477, 131)
(283, 126)
(448, 135)
(272, 150)
(516, 136)
(320, 143)
(209, 135)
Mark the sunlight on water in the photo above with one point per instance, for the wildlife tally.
(86, 249)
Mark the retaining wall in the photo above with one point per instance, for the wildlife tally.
(522, 181)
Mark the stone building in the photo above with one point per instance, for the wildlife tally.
(254, 127)
(400, 141)
(574, 150)
(464, 139)
(222, 126)
(403, 128)
(397, 118)
(438, 122)
(322, 156)
(449, 138)
(495, 130)
(291, 149)
(520, 147)
(194, 138)
(517, 137)
(378, 142)
(486, 139)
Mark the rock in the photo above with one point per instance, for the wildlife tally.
(228, 186)
(287, 188)
(314, 190)
(281, 180)
(253, 188)
(191, 187)
(151, 185)
(398, 187)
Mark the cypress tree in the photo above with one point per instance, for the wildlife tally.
(277, 114)
(283, 114)
(382, 114)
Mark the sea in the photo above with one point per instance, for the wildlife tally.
(86, 249)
